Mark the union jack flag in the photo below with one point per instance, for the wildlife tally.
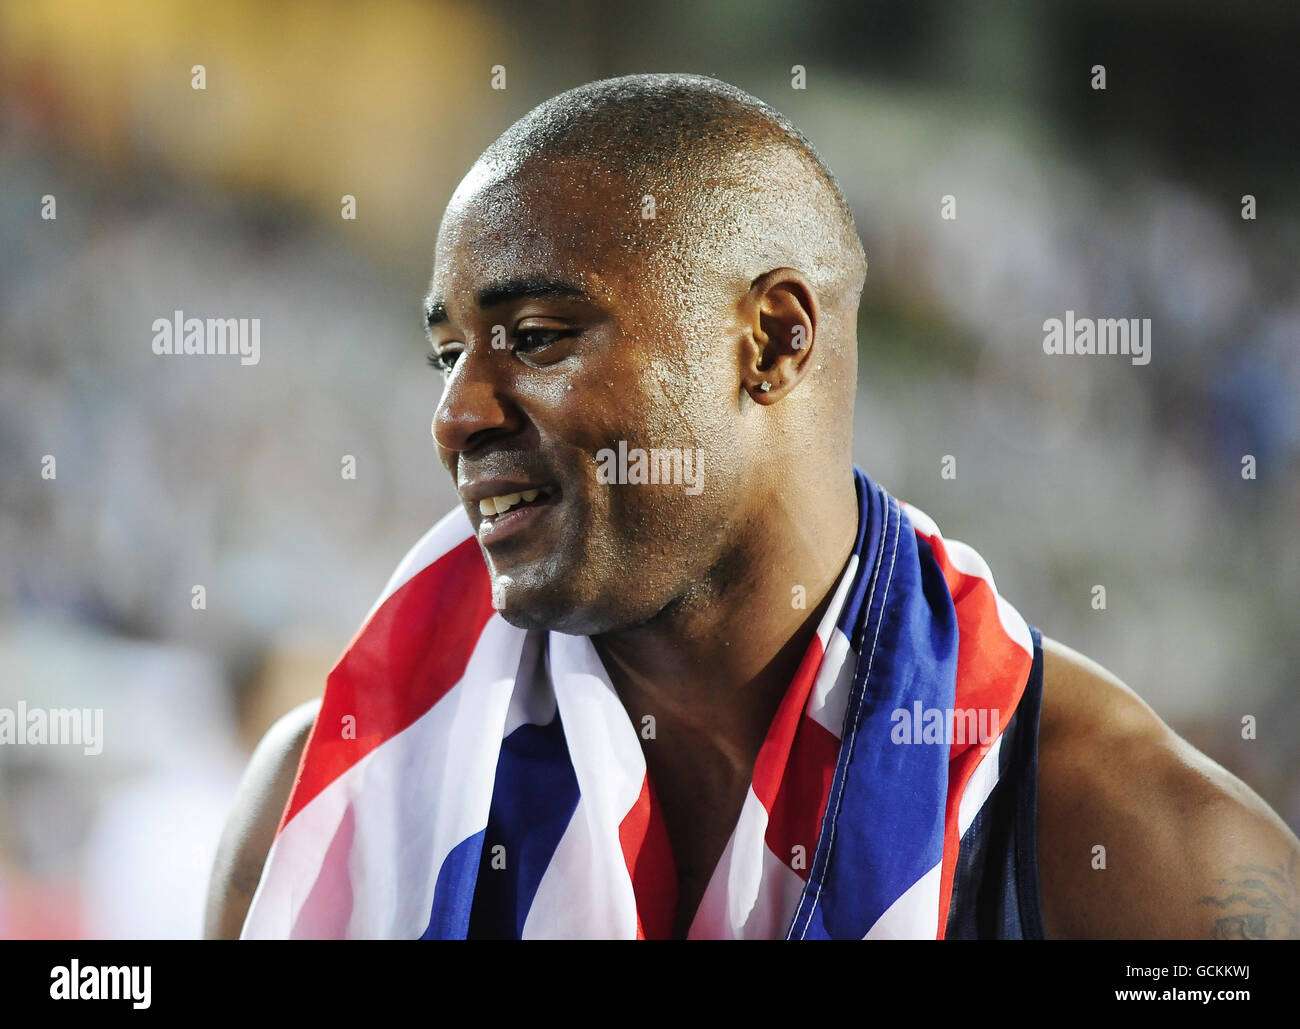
(467, 778)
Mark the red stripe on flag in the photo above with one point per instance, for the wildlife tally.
(649, 856)
(405, 659)
(796, 814)
(794, 768)
(992, 670)
(770, 764)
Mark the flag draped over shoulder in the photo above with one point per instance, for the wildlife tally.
(468, 778)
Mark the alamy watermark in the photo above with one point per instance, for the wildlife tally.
(669, 466)
(56, 726)
(74, 981)
(944, 725)
(212, 337)
(1087, 336)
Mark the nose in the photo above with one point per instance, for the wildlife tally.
(475, 404)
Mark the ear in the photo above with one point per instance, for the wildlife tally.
(779, 314)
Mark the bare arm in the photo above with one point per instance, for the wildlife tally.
(250, 829)
(1191, 852)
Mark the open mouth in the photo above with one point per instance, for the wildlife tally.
(509, 510)
(490, 507)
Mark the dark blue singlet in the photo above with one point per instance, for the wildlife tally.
(995, 891)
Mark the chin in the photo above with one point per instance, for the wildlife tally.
(545, 618)
(553, 608)
(528, 599)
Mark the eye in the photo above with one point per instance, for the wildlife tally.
(444, 361)
(538, 339)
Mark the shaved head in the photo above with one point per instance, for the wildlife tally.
(698, 270)
(736, 188)
(711, 188)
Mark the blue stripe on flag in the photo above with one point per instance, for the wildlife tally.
(535, 795)
(454, 891)
(887, 800)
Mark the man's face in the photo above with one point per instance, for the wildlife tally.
(558, 348)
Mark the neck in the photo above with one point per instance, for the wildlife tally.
(713, 666)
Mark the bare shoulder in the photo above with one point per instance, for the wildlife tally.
(254, 818)
(1140, 834)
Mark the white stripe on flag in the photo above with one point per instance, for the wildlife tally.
(610, 769)
(752, 894)
(917, 907)
(829, 698)
(413, 799)
(978, 787)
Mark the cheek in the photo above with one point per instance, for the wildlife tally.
(605, 400)
(695, 403)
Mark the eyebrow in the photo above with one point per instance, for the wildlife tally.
(435, 310)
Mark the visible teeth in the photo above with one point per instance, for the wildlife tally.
(498, 505)
(489, 506)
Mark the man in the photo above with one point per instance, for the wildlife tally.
(678, 668)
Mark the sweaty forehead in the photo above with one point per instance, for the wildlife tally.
(567, 220)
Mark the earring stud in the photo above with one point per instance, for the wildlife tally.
(765, 386)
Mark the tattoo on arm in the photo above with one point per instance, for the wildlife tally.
(1259, 903)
